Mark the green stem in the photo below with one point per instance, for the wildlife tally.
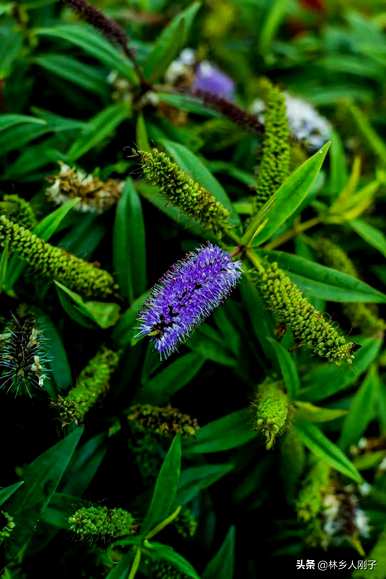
(163, 524)
(300, 228)
(135, 565)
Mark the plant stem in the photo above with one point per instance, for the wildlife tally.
(163, 524)
(293, 232)
(135, 565)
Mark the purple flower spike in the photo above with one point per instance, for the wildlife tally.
(186, 295)
(212, 80)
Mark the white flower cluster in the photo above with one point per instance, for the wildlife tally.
(342, 508)
(305, 123)
(181, 67)
(95, 196)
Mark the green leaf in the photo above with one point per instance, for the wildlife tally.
(338, 165)
(373, 140)
(170, 43)
(285, 201)
(103, 314)
(93, 44)
(314, 439)
(261, 320)
(327, 380)
(142, 137)
(121, 570)
(98, 129)
(16, 137)
(165, 490)
(192, 165)
(83, 75)
(288, 369)
(49, 224)
(7, 492)
(196, 478)
(127, 327)
(273, 18)
(324, 282)
(41, 479)
(160, 388)
(129, 251)
(56, 353)
(225, 433)
(166, 553)
(311, 413)
(370, 234)
(361, 410)
(223, 563)
(211, 346)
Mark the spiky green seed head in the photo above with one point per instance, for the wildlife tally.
(7, 526)
(186, 523)
(163, 421)
(183, 192)
(309, 327)
(361, 315)
(18, 210)
(271, 407)
(101, 523)
(53, 263)
(315, 487)
(276, 153)
(92, 384)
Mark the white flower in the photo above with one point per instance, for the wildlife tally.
(305, 123)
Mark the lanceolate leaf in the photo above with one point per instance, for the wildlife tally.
(165, 490)
(41, 479)
(323, 448)
(285, 200)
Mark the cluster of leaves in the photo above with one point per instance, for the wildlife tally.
(164, 467)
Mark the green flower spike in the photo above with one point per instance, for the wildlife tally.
(93, 382)
(164, 421)
(308, 325)
(7, 526)
(186, 523)
(276, 153)
(18, 210)
(316, 485)
(101, 523)
(54, 263)
(271, 407)
(183, 192)
(360, 315)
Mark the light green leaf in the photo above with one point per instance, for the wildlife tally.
(170, 43)
(324, 282)
(370, 234)
(103, 314)
(361, 410)
(93, 44)
(285, 201)
(225, 433)
(98, 129)
(288, 369)
(165, 490)
(318, 443)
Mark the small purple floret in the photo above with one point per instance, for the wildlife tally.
(210, 79)
(186, 295)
